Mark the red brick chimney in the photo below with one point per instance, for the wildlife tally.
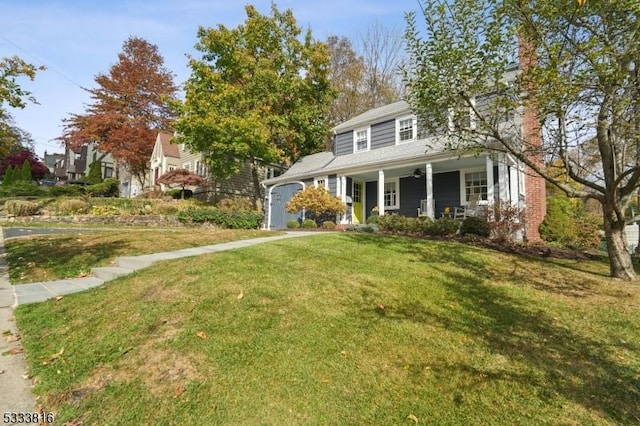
(535, 185)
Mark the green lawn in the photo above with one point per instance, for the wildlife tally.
(74, 253)
(343, 329)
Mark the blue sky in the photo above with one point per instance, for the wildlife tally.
(77, 39)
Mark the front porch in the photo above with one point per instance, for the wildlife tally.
(430, 189)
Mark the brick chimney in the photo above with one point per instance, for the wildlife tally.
(535, 185)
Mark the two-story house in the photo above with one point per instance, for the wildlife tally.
(76, 163)
(381, 161)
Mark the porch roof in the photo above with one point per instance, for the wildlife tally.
(325, 163)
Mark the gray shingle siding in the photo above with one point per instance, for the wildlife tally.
(383, 134)
(333, 185)
(344, 143)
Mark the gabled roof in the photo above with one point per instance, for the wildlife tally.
(305, 166)
(168, 149)
(374, 116)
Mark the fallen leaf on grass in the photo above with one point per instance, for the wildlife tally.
(202, 335)
(412, 417)
(241, 295)
(82, 275)
(13, 351)
(178, 390)
(58, 298)
(76, 422)
(53, 357)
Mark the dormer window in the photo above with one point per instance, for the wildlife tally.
(406, 129)
(361, 140)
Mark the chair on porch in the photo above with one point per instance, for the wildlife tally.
(424, 208)
(471, 209)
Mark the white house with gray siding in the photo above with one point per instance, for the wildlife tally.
(383, 160)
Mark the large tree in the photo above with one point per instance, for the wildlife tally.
(12, 138)
(17, 161)
(259, 93)
(578, 77)
(129, 107)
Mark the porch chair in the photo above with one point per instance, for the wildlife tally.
(424, 208)
(471, 209)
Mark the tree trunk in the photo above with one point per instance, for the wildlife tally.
(620, 264)
(257, 192)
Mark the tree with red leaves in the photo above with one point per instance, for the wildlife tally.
(38, 170)
(181, 178)
(129, 108)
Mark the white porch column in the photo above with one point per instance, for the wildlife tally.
(514, 185)
(381, 192)
(429, 182)
(342, 184)
(503, 180)
(490, 181)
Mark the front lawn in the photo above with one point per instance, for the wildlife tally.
(74, 253)
(343, 329)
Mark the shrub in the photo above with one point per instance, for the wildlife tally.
(105, 211)
(95, 173)
(73, 206)
(373, 219)
(292, 224)
(108, 188)
(21, 208)
(393, 223)
(21, 189)
(328, 225)
(568, 224)
(441, 226)
(231, 220)
(507, 221)
(66, 190)
(475, 226)
(358, 227)
(309, 223)
(317, 202)
(235, 204)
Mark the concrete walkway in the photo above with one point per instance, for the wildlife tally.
(15, 385)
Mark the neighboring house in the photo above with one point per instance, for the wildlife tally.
(381, 161)
(75, 165)
(53, 161)
(168, 156)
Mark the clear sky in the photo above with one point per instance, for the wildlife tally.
(78, 39)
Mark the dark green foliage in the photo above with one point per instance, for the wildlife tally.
(568, 224)
(417, 225)
(9, 176)
(63, 190)
(292, 224)
(95, 173)
(108, 188)
(21, 188)
(372, 220)
(180, 194)
(224, 219)
(25, 171)
(475, 226)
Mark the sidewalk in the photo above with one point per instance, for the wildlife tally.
(15, 386)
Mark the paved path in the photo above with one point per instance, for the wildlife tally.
(15, 387)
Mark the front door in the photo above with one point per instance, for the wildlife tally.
(356, 197)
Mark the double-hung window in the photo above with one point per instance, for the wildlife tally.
(475, 182)
(361, 140)
(392, 194)
(405, 129)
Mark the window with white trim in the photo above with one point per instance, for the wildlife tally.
(361, 139)
(392, 194)
(322, 181)
(475, 182)
(405, 129)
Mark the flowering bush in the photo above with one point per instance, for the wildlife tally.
(317, 202)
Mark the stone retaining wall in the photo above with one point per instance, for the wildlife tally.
(123, 220)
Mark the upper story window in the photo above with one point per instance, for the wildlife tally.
(362, 139)
(321, 182)
(405, 129)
